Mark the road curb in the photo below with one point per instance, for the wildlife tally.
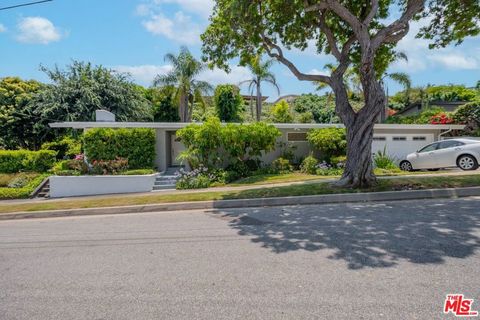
(262, 202)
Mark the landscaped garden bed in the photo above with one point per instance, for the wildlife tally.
(384, 184)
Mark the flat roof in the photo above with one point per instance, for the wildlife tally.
(179, 125)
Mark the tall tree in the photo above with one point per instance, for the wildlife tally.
(185, 69)
(18, 122)
(228, 103)
(81, 88)
(261, 73)
(362, 33)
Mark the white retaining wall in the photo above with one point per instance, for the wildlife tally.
(71, 186)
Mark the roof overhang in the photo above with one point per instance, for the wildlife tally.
(293, 126)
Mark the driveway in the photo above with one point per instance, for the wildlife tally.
(394, 260)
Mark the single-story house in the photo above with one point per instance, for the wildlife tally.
(398, 139)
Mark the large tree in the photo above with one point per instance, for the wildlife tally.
(185, 70)
(18, 122)
(81, 88)
(355, 32)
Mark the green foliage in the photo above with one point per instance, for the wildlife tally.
(183, 78)
(138, 172)
(228, 103)
(66, 147)
(321, 108)
(24, 191)
(164, 104)
(281, 113)
(214, 146)
(12, 161)
(384, 161)
(309, 165)
(451, 93)
(468, 114)
(423, 117)
(338, 161)
(19, 123)
(281, 165)
(329, 141)
(109, 167)
(80, 89)
(305, 117)
(201, 177)
(135, 145)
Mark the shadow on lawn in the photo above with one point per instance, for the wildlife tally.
(366, 235)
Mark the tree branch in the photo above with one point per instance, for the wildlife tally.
(278, 55)
(399, 28)
(372, 13)
(332, 42)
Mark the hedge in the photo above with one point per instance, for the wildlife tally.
(22, 193)
(12, 161)
(136, 145)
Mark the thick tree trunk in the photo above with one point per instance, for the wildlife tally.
(359, 125)
(259, 101)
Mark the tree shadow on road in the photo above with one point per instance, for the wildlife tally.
(366, 235)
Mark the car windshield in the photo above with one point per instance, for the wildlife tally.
(428, 148)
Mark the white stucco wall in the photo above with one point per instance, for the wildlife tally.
(72, 186)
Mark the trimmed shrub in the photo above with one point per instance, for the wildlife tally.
(309, 165)
(22, 192)
(329, 141)
(12, 161)
(66, 148)
(468, 114)
(281, 165)
(135, 145)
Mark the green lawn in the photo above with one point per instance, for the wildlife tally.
(294, 190)
(298, 177)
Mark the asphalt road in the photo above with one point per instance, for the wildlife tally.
(393, 260)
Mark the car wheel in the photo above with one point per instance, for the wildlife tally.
(406, 166)
(467, 162)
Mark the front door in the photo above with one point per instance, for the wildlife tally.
(176, 147)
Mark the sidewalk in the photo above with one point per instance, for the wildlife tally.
(228, 188)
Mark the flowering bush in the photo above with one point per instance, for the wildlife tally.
(198, 178)
(105, 167)
(441, 118)
(325, 169)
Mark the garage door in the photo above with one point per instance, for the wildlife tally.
(399, 145)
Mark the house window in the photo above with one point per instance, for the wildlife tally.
(419, 138)
(379, 138)
(296, 136)
(399, 138)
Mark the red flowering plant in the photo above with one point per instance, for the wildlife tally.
(441, 118)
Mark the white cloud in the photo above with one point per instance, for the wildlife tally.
(2, 28)
(145, 74)
(202, 8)
(37, 30)
(455, 61)
(181, 28)
(217, 76)
(315, 71)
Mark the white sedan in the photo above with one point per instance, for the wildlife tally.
(462, 153)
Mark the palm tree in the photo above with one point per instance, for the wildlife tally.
(185, 68)
(261, 73)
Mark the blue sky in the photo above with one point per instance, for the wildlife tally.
(134, 35)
